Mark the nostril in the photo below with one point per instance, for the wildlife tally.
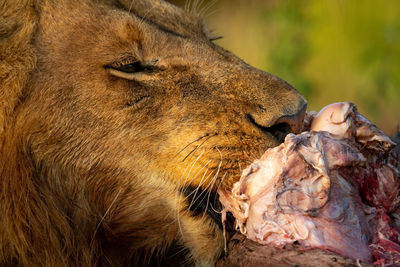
(279, 130)
(295, 121)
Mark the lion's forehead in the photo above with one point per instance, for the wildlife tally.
(167, 17)
(159, 14)
(109, 30)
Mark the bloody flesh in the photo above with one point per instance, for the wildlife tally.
(334, 187)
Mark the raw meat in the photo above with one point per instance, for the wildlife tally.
(333, 187)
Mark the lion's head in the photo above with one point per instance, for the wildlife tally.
(115, 114)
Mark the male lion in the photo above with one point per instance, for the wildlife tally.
(119, 122)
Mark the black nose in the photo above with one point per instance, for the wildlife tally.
(292, 123)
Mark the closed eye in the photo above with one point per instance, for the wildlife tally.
(132, 71)
(132, 67)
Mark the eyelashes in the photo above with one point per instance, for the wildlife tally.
(132, 70)
(216, 38)
(133, 67)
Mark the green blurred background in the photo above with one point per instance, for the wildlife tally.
(330, 50)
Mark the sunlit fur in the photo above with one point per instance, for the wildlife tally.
(92, 165)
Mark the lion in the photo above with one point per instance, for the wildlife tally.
(119, 122)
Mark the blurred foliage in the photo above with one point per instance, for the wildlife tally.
(330, 50)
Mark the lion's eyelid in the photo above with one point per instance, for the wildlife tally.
(121, 74)
(141, 76)
(139, 72)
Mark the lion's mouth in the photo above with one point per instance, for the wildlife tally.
(203, 202)
(277, 131)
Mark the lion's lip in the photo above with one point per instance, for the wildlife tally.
(288, 124)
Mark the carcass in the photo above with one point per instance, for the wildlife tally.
(334, 187)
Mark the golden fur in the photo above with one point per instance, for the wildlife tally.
(95, 162)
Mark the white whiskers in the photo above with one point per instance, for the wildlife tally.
(180, 195)
(130, 6)
(104, 216)
(206, 8)
(222, 180)
(213, 182)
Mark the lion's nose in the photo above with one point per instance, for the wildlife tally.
(280, 127)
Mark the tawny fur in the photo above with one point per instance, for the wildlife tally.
(92, 160)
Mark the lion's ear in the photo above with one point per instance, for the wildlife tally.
(17, 54)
